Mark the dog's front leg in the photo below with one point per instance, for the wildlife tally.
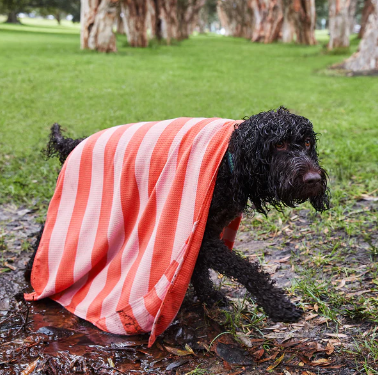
(216, 255)
(204, 287)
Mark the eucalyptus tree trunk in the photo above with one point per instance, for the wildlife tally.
(288, 29)
(304, 19)
(135, 13)
(236, 17)
(120, 21)
(97, 20)
(339, 24)
(366, 58)
(366, 11)
(168, 10)
(187, 16)
(267, 18)
(352, 9)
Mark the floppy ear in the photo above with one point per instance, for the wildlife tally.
(249, 151)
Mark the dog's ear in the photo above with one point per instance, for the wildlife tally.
(250, 154)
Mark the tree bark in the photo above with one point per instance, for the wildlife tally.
(236, 17)
(352, 15)
(97, 20)
(304, 19)
(157, 24)
(135, 13)
(288, 28)
(187, 16)
(120, 21)
(366, 58)
(366, 11)
(168, 10)
(339, 24)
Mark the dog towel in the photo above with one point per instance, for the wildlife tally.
(126, 222)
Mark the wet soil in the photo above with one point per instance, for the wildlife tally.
(43, 338)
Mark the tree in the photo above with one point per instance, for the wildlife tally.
(97, 20)
(339, 24)
(366, 58)
(168, 10)
(304, 21)
(135, 15)
(366, 11)
(236, 17)
(12, 8)
(187, 16)
(267, 20)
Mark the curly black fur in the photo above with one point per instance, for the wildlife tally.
(275, 164)
(58, 145)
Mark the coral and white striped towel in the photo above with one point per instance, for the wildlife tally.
(126, 222)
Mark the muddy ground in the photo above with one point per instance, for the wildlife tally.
(44, 338)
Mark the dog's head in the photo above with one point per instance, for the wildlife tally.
(276, 161)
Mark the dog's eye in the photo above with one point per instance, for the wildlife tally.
(308, 142)
(280, 146)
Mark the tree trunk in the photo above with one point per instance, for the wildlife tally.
(366, 58)
(157, 25)
(135, 13)
(352, 15)
(97, 20)
(339, 28)
(304, 18)
(288, 29)
(366, 11)
(236, 17)
(168, 10)
(58, 16)
(120, 21)
(12, 17)
(187, 16)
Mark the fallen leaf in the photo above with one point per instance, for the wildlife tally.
(329, 348)
(283, 260)
(176, 351)
(336, 335)
(311, 316)
(189, 349)
(258, 354)
(316, 307)
(358, 293)
(13, 268)
(276, 362)
(321, 362)
(342, 284)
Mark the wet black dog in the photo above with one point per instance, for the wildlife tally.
(271, 161)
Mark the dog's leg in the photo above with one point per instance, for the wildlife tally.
(219, 257)
(203, 286)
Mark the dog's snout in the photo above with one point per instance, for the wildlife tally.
(311, 178)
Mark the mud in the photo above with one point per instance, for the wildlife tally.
(43, 338)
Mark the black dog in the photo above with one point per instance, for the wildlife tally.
(271, 160)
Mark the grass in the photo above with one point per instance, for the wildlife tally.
(45, 78)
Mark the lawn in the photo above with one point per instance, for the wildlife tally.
(46, 78)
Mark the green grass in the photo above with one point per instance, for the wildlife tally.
(45, 78)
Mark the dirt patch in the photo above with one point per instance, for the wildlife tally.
(44, 338)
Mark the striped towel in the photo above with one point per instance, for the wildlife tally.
(126, 221)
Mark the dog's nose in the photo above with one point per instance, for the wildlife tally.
(311, 178)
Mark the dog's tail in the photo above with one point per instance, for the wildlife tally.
(58, 145)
